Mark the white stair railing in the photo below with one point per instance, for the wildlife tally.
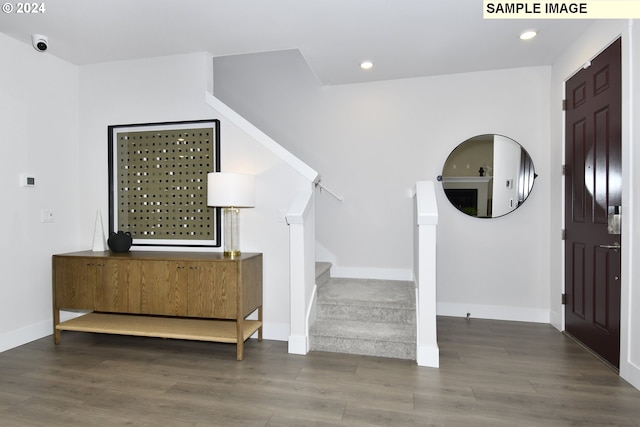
(322, 188)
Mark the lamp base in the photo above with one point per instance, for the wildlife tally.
(231, 218)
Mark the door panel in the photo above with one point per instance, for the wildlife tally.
(578, 262)
(592, 189)
(576, 164)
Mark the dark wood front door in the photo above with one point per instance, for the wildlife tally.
(593, 199)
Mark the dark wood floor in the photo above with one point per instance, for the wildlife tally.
(492, 374)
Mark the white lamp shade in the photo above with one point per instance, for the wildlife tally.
(227, 189)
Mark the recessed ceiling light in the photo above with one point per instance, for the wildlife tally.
(528, 34)
(366, 65)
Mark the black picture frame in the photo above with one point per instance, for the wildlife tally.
(158, 182)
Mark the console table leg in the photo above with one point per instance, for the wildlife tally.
(260, 319)
(56, 321)
(239, 339)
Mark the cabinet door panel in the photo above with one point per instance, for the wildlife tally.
(112, 296)
(213, 289)
(160, 290)
(76, 282)
(132, 283)
(178, 288)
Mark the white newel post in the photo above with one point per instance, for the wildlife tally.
(301, 221)
(427, 351)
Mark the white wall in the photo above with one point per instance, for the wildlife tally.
(171, 89)
(372, 142)
(600, 35)
(39, 122)
(630, 331)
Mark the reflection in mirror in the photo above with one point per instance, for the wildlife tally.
(488, 176)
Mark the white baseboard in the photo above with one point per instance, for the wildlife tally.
(630, 373)
(27, 334)
(557, 320)
(495, 312)
(275, 331)
(323, 254)
(428, 356)
(298, 344)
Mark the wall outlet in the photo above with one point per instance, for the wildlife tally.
(48, 216)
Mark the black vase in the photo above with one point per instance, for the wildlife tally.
(120, 241)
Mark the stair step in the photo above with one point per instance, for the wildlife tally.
(365, 348)
(365, 316)
(370, 331)
(365, 338)
(368, 293)
(367, 300)
(405, 316)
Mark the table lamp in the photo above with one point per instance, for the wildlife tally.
(231, 191)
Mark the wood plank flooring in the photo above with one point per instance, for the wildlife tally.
(492, 373)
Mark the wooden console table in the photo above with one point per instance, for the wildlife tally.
(184, 295)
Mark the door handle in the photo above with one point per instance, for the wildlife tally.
(616, 246)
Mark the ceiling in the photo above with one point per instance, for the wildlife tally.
(404, 38)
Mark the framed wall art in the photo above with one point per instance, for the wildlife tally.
(158, 182)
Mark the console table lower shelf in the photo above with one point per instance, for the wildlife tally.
(224, 331)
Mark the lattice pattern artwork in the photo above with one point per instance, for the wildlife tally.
(158, 182)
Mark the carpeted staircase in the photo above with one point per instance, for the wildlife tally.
(363, 316)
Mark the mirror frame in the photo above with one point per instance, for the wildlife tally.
(478, 182)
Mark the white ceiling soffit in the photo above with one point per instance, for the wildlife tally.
(403, 38)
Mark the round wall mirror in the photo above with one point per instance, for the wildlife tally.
(488, 176)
